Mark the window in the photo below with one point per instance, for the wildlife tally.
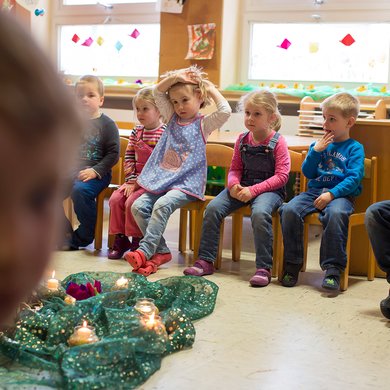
(316, 53)
(94, 38)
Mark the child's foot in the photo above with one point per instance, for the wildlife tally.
(261, 278)
(161, 258)
(200, 268)
(121, 245)
(290, 274)
(147, 269)
(136, 259)
(385, 307)
(332, 279)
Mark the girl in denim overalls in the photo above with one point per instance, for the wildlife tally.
(142, 141)
(257, 176)
(175, 173)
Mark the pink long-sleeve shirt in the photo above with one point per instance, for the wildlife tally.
(282, 166)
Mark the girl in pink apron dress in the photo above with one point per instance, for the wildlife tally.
(141, 144)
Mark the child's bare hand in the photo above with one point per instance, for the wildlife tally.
(87, 174)
(186, 76)
(323, 200)
(128, 189)
(235, 190)
(244, 195)
(324, 141)
(208, 85)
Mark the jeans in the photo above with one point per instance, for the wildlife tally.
(334, 219)
(378, 227)
(221, 206)
(84, 202)
(151, 212)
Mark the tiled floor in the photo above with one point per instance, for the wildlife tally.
(273, 337)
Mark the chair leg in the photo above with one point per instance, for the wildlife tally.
(237, 221)
(305, 245)
(371, 264)
(218, 260)
(183, 230)
(275, 262)
(345, 274)
(192, 228)
(99, 221)
(198, 219)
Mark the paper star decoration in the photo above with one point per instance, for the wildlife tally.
(118, 45)
(285, 44)
(348, 40)
(88, 42)
(75, 38)
(100, 41)
(135, 34)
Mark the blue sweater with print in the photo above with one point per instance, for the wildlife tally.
(339, 168)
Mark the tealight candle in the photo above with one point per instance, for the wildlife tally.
(52, 284)
(146, 306)
(83, 335)
(122, 282)
(69, 300)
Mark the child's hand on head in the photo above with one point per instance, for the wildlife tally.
(324, 141)
(87, 174)
(244, 195)
(323, 200)
(186, 76)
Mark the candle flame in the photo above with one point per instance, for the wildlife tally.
(53, 274)
(151, 321)
(85, 324)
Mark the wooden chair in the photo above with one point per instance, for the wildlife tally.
(118, 178)
(310, 115)
(368, 197)
(217, 155)
(238, 216)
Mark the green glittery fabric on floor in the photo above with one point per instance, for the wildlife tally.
(36, 352)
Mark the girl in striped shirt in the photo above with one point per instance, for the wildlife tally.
(142, 141)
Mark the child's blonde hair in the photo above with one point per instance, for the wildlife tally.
(146, 94)
(264, 99)
(93, 80)
(200, 87)
(347, 104)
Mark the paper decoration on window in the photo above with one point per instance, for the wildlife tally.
(88, 42)
(139, 81)
(285, 44)
(348, 40)
(39, 12)
(135, 34)
(100, 41)
(118, 45)
(75, 38)
(201, 41)
(313, 47)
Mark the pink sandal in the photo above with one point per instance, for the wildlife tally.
(200, 268)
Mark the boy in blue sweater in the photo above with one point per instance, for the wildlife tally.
(334, 166)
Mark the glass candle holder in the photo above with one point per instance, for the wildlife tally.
(69, 300)
(121, 283)
(52, 284)
(84, 334)
(146, 306)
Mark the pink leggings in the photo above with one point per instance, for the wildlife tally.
(121, 219)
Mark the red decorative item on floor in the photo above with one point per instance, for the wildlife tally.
(347, 40)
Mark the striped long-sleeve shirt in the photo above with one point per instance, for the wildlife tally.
(150, 137)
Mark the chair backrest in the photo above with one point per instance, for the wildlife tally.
(125, 125)
(118, 173)
(369, 184)
(296, 167)
(219, 155)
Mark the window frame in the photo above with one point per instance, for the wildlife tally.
(283, 11)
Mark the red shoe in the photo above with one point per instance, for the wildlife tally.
(161, 258)
(136, 259)
(147, 269)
